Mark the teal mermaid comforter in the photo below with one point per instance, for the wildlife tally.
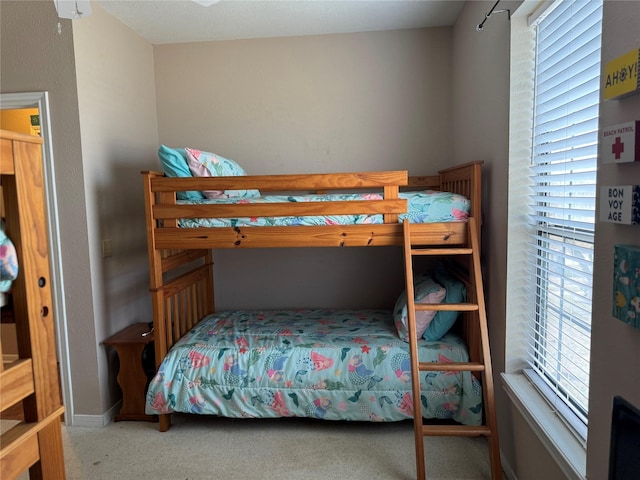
(422, 207)
(327, 364)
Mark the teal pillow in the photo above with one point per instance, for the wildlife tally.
(444, 320)
(174, 164)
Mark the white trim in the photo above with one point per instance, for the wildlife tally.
(97, 420)
(541, 12)
(556, 437)
(41, 101)
(9, 357)
(506, 468)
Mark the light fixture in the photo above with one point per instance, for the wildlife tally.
(206, 3)
(73, 9)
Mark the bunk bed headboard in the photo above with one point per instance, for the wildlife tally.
(181, 282)
(466, 180)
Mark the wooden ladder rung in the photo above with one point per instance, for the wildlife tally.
(441, 251)
(456, 307)
(451, 367)
(456, 430)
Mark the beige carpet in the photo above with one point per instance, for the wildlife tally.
(216, 448)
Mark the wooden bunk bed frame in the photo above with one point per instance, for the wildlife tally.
(35, 443)
(181, 261)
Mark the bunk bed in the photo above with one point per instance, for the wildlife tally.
(283, 363)
(34, 444)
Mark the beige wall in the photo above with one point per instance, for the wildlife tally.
(348, 102)
(481, 115)
(117, 108)
(345, 102)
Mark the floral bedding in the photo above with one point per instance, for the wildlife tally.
(327, 364)
(423, 207)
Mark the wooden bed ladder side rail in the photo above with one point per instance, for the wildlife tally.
(175, 303)
(480, 366)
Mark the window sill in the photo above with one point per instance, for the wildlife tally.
(557, 438)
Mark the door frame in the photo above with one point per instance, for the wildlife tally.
(40, 100)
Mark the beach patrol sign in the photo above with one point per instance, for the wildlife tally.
(621, 143)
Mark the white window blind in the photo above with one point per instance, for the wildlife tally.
(562, 202)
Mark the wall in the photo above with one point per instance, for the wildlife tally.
(615, 347)
(346, 102)
(116, 99)
(17, 120)
(481, 118)
(33, 58)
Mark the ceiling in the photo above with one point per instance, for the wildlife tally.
(164, 21)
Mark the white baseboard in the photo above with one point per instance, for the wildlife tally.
(506, 468)
(94, 421)
(9, 357)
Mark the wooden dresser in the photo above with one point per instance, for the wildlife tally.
(36, 443)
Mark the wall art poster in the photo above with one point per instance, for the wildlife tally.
(626, 284)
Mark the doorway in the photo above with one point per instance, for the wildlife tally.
(37, 103)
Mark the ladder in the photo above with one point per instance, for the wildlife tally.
(474, 311)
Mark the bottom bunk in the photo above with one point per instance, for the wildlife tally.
(328, 364)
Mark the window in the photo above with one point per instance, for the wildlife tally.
(561, 202)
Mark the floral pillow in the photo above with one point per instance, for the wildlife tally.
(8, 261)
(426, 290)
(206, 164)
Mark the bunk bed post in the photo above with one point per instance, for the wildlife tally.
(155, 283)
(178, 303)
(155, 270)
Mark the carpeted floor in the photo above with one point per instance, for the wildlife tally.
(215, 448)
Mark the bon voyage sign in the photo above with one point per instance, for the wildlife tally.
(620, 204)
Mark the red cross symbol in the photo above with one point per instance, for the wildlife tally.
(617, 148)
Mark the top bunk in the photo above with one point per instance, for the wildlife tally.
(309, 210)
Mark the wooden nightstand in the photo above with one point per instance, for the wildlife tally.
(132, 377)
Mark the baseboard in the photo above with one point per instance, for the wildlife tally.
(106, 418)
(506, 468)
(9, 357)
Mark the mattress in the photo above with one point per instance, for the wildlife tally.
(422, 207)
(326, 364)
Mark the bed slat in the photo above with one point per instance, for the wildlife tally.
(312, 236)
(314, 181)
(283, 209)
